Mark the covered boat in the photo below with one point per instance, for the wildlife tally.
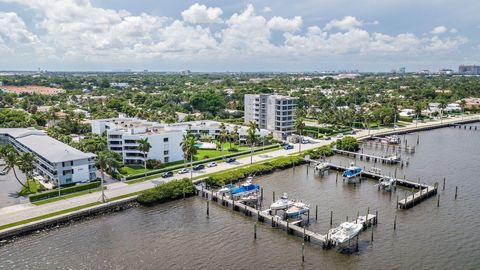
(352, 172)
(246, 188)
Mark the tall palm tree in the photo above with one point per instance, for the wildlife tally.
(106, 161)
(26, 164)
(144, 147)
(11, 161)
(222, 138)
(252, 137)
(299, 126)
(189, 149)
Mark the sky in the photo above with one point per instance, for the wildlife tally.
(237, 35)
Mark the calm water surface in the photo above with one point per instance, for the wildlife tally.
(178, 235)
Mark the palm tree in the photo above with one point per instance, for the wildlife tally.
(222, 138)
(144, 147)
(463, 104)
(299, 126)
(252, 137)
(26, 164)
(189, 149)
(11, 161)
(106, 161)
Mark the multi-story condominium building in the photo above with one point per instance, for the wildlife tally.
(272, 112)
(123, 135)
(469, 69)
(54, 160)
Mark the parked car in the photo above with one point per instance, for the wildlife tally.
(230, 160)
(339, 135)
(182, 171)
(327, 138)
(304, 141)
(2, 173)
(198, 167)
(167, 174)
(288, 147)
(212, 164)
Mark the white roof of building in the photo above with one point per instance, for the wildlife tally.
(45, 146)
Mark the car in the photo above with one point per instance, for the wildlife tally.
(198, 167)
(288, 147)
(182, 171)
(2, 173)
(339, 135)
(167, 174)
(212, 164)
(230, 160)
(305, 141)
(327, 138)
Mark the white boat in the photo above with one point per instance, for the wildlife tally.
(322, 166)
(297, 209)
(386, 183)
(394, 139)
(394, 159)
(282, 203)
(352, 174)
(344, 232)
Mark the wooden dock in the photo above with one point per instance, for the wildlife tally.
(425, 191)
(275, 221)
(368, 157)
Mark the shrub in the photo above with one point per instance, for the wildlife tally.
(348, 143)
(166, 192)
(153, 164)
(63, 191)
(222, 178)
(232, 149)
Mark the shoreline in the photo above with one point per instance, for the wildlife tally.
(93, 208)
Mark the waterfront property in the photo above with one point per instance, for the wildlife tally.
(272, 112)
(54, 160)
(123, 135)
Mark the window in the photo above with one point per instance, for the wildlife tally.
(165, 152)
(165, 160)
(165, 139)
(65, 172)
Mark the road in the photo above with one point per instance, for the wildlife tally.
(24, 211)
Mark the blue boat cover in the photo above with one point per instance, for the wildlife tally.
(245, 189)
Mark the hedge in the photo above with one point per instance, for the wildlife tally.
(167, 191)
(221, 178)
(63, 191)
(171, 168)
(322, 151)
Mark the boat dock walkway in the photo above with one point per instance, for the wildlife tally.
(274, 221)
(425, 191)
(368, 157)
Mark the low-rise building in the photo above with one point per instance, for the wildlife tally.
(471, 103)
(123, 135)
(32, 89)
(54, 160)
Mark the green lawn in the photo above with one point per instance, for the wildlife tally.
(71, 195)
(33, 186)
(204, 153)
(133, 169)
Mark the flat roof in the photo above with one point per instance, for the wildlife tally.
(45, 146)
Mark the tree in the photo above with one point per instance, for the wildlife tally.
(348, 143)
(107, 161)
(144, 147)
(252, 137)
(26, 164)
(299, 126)
(11, 161)
(189, 149)
(223, 137)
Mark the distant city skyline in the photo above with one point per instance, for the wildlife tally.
(249, 36)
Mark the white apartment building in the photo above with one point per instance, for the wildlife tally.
(54, 160)
(272, 112)
(123, 135)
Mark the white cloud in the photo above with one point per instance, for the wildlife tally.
(453, 31)
(79, 31)
(285, 25)
(439, 30)
(267, 9)
(197, 13)
(347, 23)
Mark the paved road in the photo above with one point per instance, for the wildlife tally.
(25, 211)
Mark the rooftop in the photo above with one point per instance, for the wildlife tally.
(45, 146)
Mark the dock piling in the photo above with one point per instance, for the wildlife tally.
(331, 219)
(316, 212)
(456, 191)
(208, 208)
(395, 223)
(444, 184)
(273, 196)
(438, 200)
(303, 252)
(255, 230)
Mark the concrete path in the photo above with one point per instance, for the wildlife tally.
(18, 213)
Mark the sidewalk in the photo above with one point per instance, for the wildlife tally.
(14, 214)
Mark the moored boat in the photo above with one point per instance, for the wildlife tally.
(344, 232)
(352, 172)
(282, 203)
(297, 209)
